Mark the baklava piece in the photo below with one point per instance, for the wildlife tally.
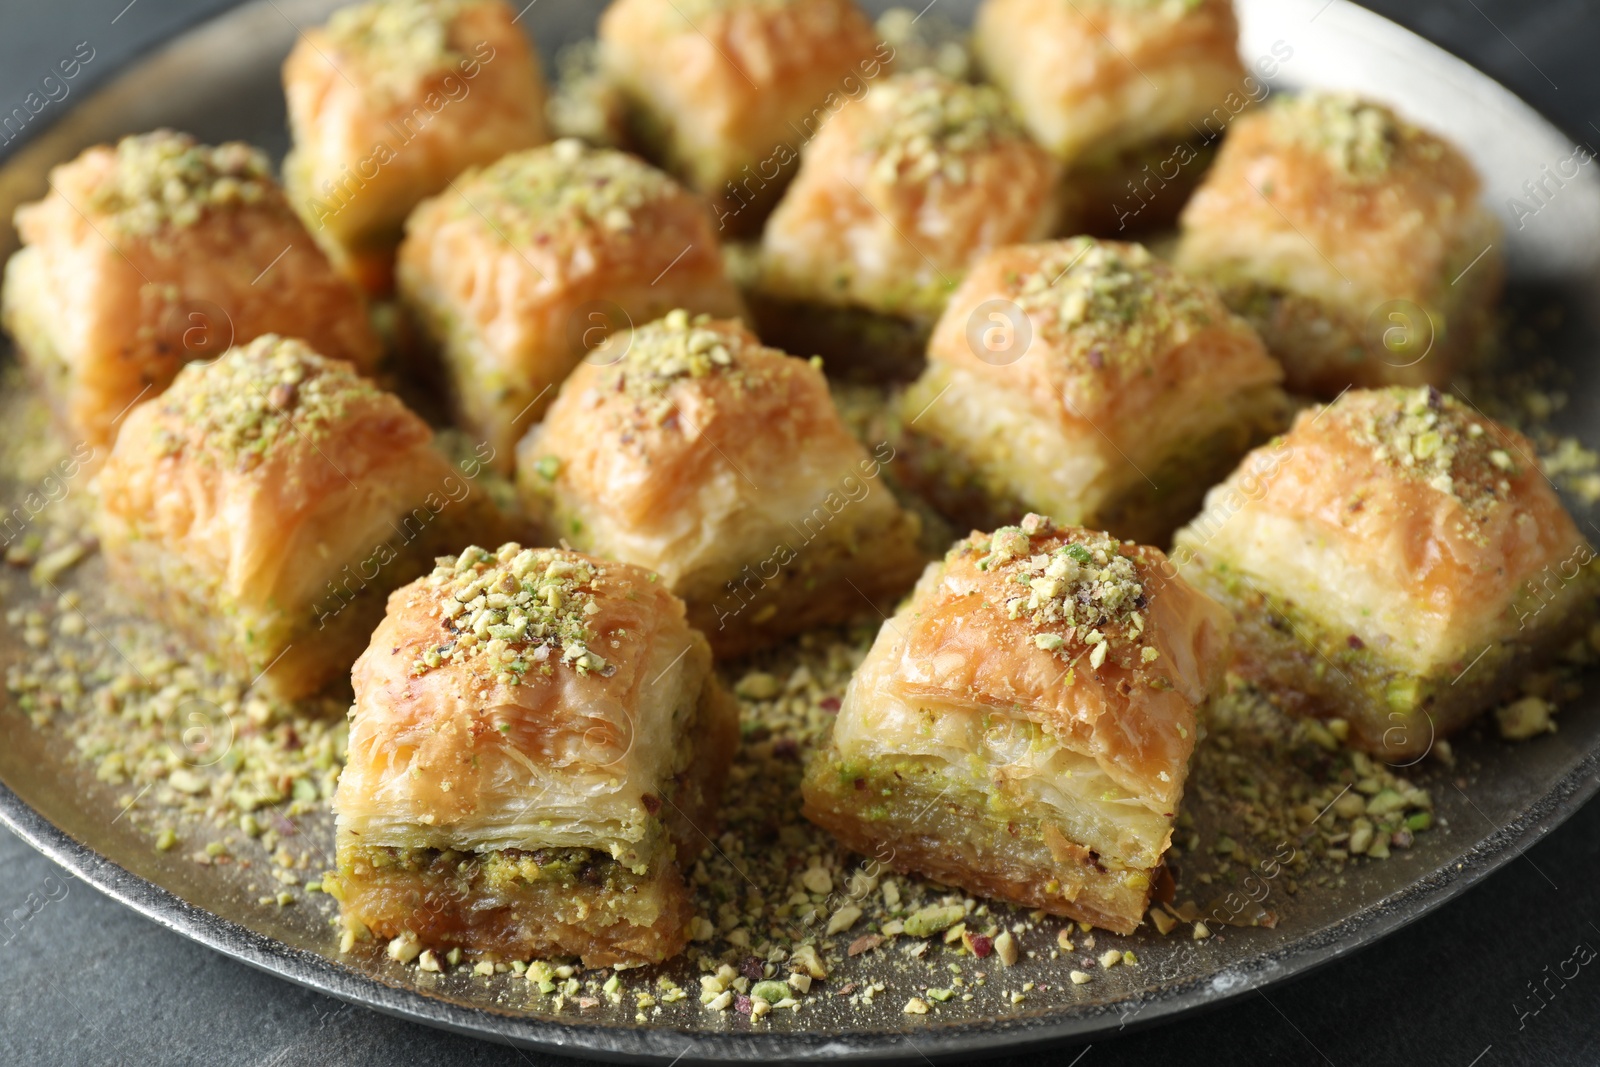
(537, 748)
(266, 504)
(1354, 242)
(896, 196)
(391, 100)
(1129, 96)
(1088, 381)
(1396, 561)
(723, 467)
(725, 92)
(1022, 727)
(157, 252)
(522, 269)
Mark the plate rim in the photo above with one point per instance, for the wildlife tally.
(659, 1044)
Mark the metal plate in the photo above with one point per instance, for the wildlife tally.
(221, 81)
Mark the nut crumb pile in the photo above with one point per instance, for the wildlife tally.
(786, 921)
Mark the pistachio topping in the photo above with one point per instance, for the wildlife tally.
(244, 406)
(1431, 436)
(931, 125)
(672, 348)
(1360, 138)
(1108, 305)
(165, 178)
(514, 610)
(563, 188)
(399, 40)
(1075, 587)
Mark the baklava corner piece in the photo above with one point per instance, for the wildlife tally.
(265, 504)
(1397, 561)
(537, 748)
(518, 270)
(147, 254)
(388, 102)
(1128, 96)
(896, 195)
(1356, 242)
(1023, 726)
(1085, 380)
(725, 92)
(723, 466)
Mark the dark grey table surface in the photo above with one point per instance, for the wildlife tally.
(83, 981)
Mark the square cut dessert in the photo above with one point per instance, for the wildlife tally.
(156, 252)
(1022, 726)
(723, 466)
(522, 269)
(1355, 242)
(537, 748)
(388, 102)
(267, 502)
(1129, 96)
(1396, 561)
(896, 196)
(725, 92)
(1086, 380)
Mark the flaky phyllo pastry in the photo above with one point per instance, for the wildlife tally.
(519, 269)
(1022, 726)
(725, 92)
(388, 102)
(1355, 242)
(721, 465)
(1127, 95)
(1396, 562)
(266, 504)
(896, 195)
(1085, 380)
(157, 252)
(536, 750)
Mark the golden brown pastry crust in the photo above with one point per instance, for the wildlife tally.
(1322, 213)
(509, 268)
(155, 252)
(723, 466)
(1087, 380)
(1093, 78)
(1070, 732)
(389, 101)
(725, 92)
(268, 500)
(599, 728)
(901, 190)
(1404, 534)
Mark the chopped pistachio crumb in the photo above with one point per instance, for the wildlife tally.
(1359, 137)
(164, 178)
(398, 42)
(251, 401)
(514, 610)
(1076, 588)
(555, 192)
(928, 124)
